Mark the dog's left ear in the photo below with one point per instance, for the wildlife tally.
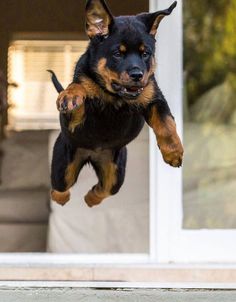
(98, 18)
(152, 20)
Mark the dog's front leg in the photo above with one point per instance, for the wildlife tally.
(159, 118)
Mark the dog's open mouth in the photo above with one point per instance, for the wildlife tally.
(128, 92)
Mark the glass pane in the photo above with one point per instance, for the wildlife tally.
(210, 114)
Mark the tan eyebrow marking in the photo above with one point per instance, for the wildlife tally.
(142, 48)
(123, 48)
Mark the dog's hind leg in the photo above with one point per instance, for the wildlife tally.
(65, 168)
(110, 169)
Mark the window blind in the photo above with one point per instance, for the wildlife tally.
(32, 103)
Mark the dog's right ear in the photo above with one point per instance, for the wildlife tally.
(152, 20)
(98, 18)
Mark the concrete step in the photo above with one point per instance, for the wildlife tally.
(24, 206)
(24, 218)
(25, 160)
(110, 292)
(23, 237)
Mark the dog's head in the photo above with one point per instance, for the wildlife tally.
(122, 49)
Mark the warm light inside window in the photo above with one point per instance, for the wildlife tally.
(33, 101)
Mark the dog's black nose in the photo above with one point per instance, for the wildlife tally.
(136, 75)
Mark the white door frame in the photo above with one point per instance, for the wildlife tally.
(174, 244)
(165, 181)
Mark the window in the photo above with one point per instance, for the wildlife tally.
(33, 102)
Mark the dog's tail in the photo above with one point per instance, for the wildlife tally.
(56, 83)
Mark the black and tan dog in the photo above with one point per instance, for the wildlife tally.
(113, 93)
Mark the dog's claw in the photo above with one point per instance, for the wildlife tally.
(74, 102)
(64, 104)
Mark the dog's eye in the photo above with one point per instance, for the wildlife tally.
(117, 54)
(145, 54)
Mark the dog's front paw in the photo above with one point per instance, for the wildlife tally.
(172, 152)
(70, 98)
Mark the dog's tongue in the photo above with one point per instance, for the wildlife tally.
(133, 88)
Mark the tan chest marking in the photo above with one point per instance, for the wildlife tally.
(77, 118)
